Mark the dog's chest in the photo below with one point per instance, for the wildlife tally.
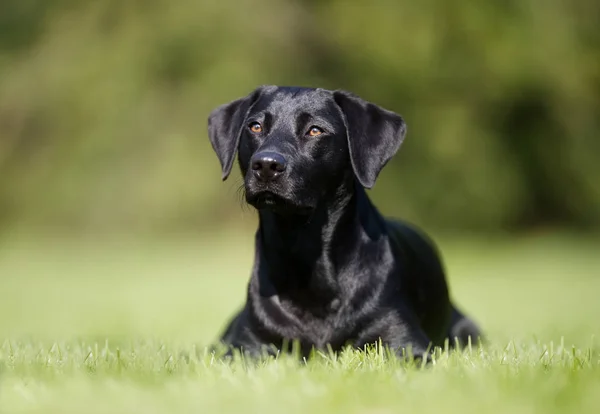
(319, 325)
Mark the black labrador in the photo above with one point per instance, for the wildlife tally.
(329, 269)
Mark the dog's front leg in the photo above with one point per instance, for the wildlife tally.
(404, 338)
(253, 352)
(409, 342)
(240, 337)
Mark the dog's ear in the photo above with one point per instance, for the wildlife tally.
(225, 125)
(374, 135)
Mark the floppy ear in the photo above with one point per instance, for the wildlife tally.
(374, 135)
(225, 125)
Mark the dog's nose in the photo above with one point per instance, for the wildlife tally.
(267, 166)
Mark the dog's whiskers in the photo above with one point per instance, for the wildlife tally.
(241, 194)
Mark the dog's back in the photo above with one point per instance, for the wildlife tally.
(427, 288)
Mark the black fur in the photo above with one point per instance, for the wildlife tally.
(329, 269)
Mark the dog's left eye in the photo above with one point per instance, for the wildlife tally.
(255, 127)
(314, 131)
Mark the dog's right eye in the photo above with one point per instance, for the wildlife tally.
(314, 131)
(255, 127)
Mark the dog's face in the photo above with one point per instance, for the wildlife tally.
(297, 145)
(292, 150)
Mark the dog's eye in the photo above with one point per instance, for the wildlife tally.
(255, 127)
(315, 131)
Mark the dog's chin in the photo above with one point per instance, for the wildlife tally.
(269, 201)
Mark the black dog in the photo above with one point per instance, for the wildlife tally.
(329, 270)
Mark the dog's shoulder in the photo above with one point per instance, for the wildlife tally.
(411, 240)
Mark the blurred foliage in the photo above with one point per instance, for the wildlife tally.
(103, 105)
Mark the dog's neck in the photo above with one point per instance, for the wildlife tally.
(302, 256)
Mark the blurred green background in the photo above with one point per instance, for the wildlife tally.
(103, 113)
(103, 106)
(117, 231)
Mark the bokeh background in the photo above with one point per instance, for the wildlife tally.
(113, 216)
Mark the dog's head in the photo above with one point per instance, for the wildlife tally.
(297, 145)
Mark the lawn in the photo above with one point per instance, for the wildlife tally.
(119, 326)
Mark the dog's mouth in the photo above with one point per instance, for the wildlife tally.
(268, 200)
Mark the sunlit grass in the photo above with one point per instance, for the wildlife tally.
(122, 326)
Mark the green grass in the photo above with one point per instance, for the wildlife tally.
(101, 326)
